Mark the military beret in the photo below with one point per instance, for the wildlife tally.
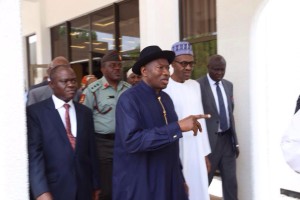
(111, 55)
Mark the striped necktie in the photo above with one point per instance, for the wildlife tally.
(71, 138)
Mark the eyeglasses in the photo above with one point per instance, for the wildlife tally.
(184, 64)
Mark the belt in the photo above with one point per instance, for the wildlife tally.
(228, 131)
(109, 136)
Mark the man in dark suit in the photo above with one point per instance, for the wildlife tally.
(217, 99)
(62, 161)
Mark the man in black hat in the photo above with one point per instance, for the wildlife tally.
(102, 96)
(146, 153)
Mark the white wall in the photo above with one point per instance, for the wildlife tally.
(275, 50)
(59, 11)
(234, 21)
(13, 150)
(159, 23)
(259, 40)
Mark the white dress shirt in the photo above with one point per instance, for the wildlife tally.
(59, 105)
(213, 87)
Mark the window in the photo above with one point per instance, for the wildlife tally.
(129, 29)
(103, 30)
(198, 26)
(79, 39)
(59, 41)
(36, 73)
(115, 27)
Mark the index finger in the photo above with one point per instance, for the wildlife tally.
(204, 116)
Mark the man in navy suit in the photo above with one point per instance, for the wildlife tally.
(217, 99)
(61, 168)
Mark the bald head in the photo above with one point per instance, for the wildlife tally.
(60, 60)
(57, 61)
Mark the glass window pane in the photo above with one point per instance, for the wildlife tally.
(129, 26)
(59, 41)
(198, 17)
(199, 28)
(80, 37)
(36, 73)
(103, 30)
(202, 51)
(32, 49)
(129, 33)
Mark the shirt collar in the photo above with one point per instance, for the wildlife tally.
(105, 84)
(58, 103)
(212, 82)
(149, 88)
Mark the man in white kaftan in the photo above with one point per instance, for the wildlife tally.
(186, 97)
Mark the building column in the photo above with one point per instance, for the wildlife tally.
(262, 51)
(159, 23)
(13, 149)
(275, 87)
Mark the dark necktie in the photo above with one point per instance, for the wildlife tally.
(222, 112)
(71, 138)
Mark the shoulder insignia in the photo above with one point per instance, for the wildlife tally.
(95, 86)
(126, 84)
(82, 98)
(106, 85)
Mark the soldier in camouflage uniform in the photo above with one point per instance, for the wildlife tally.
(102, 96)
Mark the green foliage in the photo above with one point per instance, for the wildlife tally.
(202, 51)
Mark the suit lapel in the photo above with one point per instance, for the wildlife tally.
(80, 120)
(210, 95)
(228, 95)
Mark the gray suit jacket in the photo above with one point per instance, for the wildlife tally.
(44, 92)
(210, 107)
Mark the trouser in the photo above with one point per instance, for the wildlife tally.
(104, 146)
(224, 158)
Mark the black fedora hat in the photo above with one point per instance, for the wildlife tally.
(149, 54)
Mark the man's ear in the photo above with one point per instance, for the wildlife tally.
(143, 71)
(51, 84)
(101, 69)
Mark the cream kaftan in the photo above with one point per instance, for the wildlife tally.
(187, 101)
